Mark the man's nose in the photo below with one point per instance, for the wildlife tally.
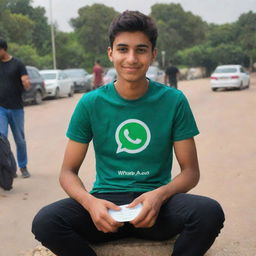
(132, 57)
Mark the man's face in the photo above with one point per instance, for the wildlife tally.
(2, 53)
(131, 55)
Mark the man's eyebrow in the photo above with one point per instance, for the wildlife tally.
(139, 45)
(143, 45)
(122, 45)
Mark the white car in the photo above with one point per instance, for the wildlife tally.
(154, 73)
(57, 83)
(110, 76)
(230, 76)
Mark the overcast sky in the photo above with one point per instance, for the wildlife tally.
(216, 11)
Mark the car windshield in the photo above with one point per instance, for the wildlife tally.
(49, 76)
(225, 70)
(75, 73)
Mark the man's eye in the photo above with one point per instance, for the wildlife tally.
(141, 50)
(122, 49)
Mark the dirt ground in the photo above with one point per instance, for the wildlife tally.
(226, 150)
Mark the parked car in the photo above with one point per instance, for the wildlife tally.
(57, 83)
(230, 76)
(82, 80)
(36, 93)
(110, 76)
(154, 73)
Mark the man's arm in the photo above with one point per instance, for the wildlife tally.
(185, 151)
(25, 82)
(72, 184)
(188, 178)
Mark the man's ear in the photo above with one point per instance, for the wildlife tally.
(154, 54)
(110, 51)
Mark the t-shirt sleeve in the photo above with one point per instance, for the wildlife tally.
(79, 128)
(184, 126)
(22, 69)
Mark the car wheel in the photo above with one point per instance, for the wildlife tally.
(71, 93)
(38, 97)
(214, 89)
(57, 93)
(241, 86)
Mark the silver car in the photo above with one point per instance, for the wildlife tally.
(57, 83)
(230, 76)
(81, 78)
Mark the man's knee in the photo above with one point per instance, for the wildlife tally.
(211, 214)
(43, 225)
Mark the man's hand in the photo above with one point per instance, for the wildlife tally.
(98, 210)
(25, 82)
(152, 202)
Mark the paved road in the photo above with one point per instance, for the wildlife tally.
(227, 155)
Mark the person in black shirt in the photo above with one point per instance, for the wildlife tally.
(171, 75)
(13, 80)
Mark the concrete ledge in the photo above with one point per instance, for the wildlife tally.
(124, 247)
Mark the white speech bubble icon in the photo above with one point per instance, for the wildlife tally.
(137, 142)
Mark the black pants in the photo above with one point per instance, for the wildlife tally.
(66, 228)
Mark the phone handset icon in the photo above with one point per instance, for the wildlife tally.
(126, 134)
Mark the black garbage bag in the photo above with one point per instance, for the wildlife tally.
(8, 165)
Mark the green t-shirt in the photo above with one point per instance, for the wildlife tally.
(132, 139)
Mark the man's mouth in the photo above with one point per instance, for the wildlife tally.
(130, 68)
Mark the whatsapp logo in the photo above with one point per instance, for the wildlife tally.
(132, 136)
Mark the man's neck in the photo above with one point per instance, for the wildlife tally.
(7, 57)
(132, 90)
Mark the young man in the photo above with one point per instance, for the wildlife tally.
(133, 138)
(171, 75)
(97, 75)
(13, 80)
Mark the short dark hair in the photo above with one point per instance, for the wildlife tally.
(132, 21)
(3, 44)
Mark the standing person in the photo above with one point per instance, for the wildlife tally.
(133, 151)
(13, 80)
(171, 75)
(97, 74)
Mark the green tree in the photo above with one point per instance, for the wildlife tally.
(19, 6)
(69, 52)
(200, 55)
(28, 55)
(177, 29)
(40, 33)
(91, 27)
(229, 54)
(247, 34)
(4, 17)
(222, 34)
(209, 57)
(19, 28)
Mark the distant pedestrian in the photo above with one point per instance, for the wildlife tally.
(13, 81)
(171, 75)
(97, 75)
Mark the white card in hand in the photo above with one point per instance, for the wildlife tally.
(125, 214)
